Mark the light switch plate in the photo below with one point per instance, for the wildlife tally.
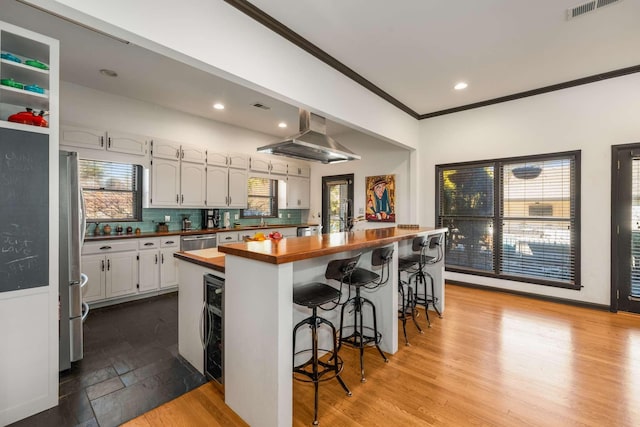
(167, 218)
(236, 216)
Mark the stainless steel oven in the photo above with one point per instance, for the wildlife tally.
(213, 330)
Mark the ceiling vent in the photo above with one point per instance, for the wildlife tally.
(261, 106)
(590, 6)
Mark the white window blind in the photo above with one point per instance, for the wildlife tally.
(112, 191)
(262, 200)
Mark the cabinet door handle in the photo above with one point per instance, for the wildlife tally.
(104, 248)
(178, 154)
(102, 141)
(149, 244)
(182, 151)
(182, 199)
(161, 258)
(108, 265)
(156, 258)
(177, 198)
(102, 268)
(109, 142)
(229, 200)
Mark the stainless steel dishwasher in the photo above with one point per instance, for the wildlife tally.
(197, 241)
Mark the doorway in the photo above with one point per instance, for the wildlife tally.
(337, 203)
(625, 228)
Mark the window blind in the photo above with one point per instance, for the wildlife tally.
(262, 200)
(112, 191)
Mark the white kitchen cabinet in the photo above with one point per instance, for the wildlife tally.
(298, 192)
(148, 264)
(193, 154)
(164, 149)
(94, 266)
(238, 196)
(217, 186)
(295, 169)
(168, 263)
(111, 265)
(259, 164)
(278, 167)
(165, 183)
(226, 187)
(100, 139)
(217, 159)
(193, 181)
(238, 161)
(228, 237)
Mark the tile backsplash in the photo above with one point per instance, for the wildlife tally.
(152, 216)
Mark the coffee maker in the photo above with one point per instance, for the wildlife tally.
(210, 218)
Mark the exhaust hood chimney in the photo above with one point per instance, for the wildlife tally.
(312, 143)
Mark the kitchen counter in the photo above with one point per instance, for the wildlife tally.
(210, 258)
(92, 238)
(301, 248)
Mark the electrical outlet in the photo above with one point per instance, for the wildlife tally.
(236, 216)
(288, 215)
(167, 218)
(280, 215)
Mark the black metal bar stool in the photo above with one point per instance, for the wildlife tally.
(313, 296)
(421, 246)
(364, 336)
(407, 309)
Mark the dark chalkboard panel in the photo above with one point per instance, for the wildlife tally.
(24, 210)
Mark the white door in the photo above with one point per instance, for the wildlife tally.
(149, 268)
(217, 186)
(193, 181)
(165, 183)
(94, 266)
(168, 268)
(238, 179)
(122, 274)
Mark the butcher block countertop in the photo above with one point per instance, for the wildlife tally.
(210, 258)
(301, 248)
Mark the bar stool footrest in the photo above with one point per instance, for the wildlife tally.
(327, 372)
(364, 340)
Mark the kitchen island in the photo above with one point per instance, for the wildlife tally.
(260, 314)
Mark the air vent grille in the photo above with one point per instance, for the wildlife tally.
(261, 106)
(587, 7)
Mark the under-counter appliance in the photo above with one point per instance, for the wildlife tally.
(310, 230)
(198, 241)
(212, 330)
(73, 311)
(210, 218)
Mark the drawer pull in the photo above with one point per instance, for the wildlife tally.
(149, 244)
(104, 248)
(170, 242)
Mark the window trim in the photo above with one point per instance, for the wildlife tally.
(497, 194)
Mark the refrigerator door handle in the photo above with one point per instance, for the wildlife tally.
(85, 311)
(83, 280)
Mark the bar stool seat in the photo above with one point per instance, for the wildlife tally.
(362, 336)
(314, 295)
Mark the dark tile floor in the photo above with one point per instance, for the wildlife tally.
(131, 365)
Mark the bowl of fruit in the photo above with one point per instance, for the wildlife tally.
(257, 237)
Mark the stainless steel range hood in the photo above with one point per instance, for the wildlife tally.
(312, 143)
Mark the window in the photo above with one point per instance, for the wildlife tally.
(262, 198)
(514, 218)
(112, 191)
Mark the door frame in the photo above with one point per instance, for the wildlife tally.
(325, 196)
(618, 218)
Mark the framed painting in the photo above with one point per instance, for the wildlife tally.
(381, 198)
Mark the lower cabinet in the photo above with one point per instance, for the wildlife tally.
(129, 267)
(112, 269)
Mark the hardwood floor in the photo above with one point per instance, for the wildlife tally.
(495, 359)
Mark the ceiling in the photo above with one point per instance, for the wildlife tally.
(414, 50)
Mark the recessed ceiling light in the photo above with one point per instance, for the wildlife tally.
(108, 73)
(282, 125)
(218, 106)
(460, 86)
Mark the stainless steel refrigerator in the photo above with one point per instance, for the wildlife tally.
(73, 311)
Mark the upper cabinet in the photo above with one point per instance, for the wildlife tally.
(100, 139)
(278, 167)
(259, 164)
(193, 154)
(295, 169)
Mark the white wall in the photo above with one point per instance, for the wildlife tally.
(590, 118)
(378, 158)
(217, 38)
